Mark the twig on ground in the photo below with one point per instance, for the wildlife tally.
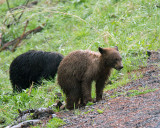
(19, 41)
(23, 11)
(29, 5)
(11, 11)
(20, 7)
(26, 124)
(21, 113)
(38, 29)
(30, 90)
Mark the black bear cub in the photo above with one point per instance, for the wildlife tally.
(31, 67)
(79, 69)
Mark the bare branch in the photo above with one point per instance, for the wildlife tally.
(27, 5)
(30, 90)
(19, 41)
(38, 29)
(11, 11)
(27, 123)
(23, 11)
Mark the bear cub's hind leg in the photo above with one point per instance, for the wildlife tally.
(73, 99)
(86, 92)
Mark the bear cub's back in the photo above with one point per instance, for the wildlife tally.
(79, 63)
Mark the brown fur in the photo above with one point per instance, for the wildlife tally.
(79, 69)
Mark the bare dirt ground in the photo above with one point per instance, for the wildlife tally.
(124, 111)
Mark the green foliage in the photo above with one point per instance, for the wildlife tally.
(90, 110)
(90, 103)
(77, 111)
(118, 83)
(139, 92)
(55, 123)
(132, 25)
(100, 111)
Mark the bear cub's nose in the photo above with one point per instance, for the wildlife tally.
(120, 67)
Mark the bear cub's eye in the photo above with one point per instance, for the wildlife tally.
(116, 59)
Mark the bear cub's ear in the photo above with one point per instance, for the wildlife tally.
(101, 50)
(116, 47)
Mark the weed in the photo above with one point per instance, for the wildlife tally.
(90, 103)
(139, 92)
(55, 123)
(100, 111)
(89, 111)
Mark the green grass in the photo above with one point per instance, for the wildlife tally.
(132, 25)
(55, 123)
(139, 91)
(100, 111)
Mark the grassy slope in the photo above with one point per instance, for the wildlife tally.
(132, 25)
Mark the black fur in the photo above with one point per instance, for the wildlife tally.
(32, 66)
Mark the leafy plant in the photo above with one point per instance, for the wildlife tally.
(55, 123)
(100, 111)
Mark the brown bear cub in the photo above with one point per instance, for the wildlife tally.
(79, 69)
